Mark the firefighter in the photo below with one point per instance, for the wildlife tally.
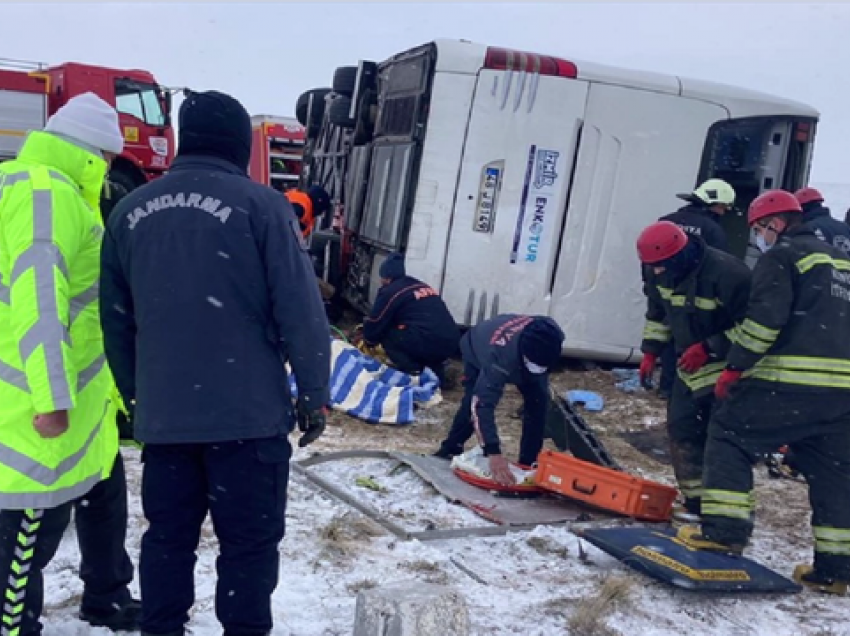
(57, 422)
(710, 201)
(207, 291)
(787, 381)
(696, 294)
(309, 206)
(819, 219)
(411, 322)
(507, 349)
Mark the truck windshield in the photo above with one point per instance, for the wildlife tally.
(139, 100)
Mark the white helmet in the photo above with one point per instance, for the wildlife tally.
(712, 192)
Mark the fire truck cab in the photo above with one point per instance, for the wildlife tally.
(31, 92)
(519, 182)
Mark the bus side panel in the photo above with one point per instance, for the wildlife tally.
(638, 150)
(425, 254)
(512, 192)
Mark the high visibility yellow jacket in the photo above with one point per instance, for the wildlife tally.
(51, 345)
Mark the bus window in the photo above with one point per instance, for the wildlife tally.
(754, 155)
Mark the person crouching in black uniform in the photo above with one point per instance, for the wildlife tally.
(411, 322)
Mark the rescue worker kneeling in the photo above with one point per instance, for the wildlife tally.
(787, 381)
(411, 322)
(696, 294)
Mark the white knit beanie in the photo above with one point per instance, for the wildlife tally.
(90, 120)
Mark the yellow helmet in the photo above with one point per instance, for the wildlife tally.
(715, 191)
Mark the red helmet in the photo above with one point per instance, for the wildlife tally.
(660, 241)
(771, 203)
(808, 195)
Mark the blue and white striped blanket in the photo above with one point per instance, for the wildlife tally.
(368, 390)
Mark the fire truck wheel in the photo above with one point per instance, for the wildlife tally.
(318, 105)
(345, 79)
(123, 180)
(338, 112)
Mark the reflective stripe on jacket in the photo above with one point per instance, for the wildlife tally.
(704, 307)
(797, 329)
(51, 345)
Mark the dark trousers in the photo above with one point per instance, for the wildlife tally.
(29, 540)
(243, 486)
(410, 354)
(463, 427)
(687, 429)
(755, 421)
(668, 368)
(105, 566)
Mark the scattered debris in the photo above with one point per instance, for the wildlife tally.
(370, 483)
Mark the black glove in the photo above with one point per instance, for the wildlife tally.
(125, 423)
(311, 422)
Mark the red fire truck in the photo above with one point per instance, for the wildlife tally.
(31, 92)
(276, 150)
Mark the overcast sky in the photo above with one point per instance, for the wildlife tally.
(267, 54)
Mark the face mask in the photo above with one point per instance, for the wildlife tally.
(761, 243)
(534, 369)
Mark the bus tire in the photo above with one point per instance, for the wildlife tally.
(303, 103)
(345, 80)
(338, 112)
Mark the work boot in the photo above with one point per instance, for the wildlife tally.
(122, 619)
(807, 576)
(682, 516)
(692, 536)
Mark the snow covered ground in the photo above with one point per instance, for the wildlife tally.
(534, 583)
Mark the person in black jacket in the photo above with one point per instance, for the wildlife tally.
(207, 292)
(696, 297)
(819, 219)
(787, 381)
(508, 349)
(706, 205)
(410, 321)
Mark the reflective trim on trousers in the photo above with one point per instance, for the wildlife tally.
(832, 540)
(14, 596)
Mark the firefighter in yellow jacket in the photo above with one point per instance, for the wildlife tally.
(58, 438)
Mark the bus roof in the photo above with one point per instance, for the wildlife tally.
(462, 56)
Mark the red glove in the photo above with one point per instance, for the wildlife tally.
(725, 382)
(694, 358)
(647, 366)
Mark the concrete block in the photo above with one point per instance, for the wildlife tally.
(411, 609)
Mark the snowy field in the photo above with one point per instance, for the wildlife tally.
(537, 583)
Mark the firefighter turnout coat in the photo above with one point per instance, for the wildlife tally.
(51, 346)
(796, 333)
(704, 307)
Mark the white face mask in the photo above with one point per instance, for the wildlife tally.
(761, 243)
(535, 369)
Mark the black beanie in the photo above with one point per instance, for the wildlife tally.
(320, 198)
(541, 342)
(392, 267)
(215, 124)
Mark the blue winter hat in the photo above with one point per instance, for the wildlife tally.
(393, 267)
(541, 342)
